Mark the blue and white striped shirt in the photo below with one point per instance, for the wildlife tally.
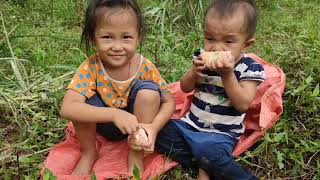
(211, 110)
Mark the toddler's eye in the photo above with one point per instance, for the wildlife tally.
(209, 39)
(229, 42)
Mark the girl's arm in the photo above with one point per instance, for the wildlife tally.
(167, 109)
(74, 108)
(240, 93)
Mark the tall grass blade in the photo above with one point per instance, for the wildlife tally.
(14, 61)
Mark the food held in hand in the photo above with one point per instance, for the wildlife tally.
(215, 55)
(138, 139)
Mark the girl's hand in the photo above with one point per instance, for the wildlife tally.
(222, 65)
(126, 122)
(152, 135)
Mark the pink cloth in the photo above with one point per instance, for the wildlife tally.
(262, 114)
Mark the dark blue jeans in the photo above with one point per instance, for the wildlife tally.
(193, 149)
(109, 130)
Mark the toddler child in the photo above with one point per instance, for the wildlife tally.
(224, 86)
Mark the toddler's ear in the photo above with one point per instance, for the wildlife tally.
(249, 42)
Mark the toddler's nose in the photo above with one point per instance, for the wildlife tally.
(216, 47)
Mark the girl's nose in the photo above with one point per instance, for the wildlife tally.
(116, 46)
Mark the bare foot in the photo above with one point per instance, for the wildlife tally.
(135, 158)
(203, 175)
(85, 163)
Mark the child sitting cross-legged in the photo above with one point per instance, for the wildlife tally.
(116, 91)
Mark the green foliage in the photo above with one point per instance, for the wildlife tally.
(48, 175)
(45, 36)
(93, 176)
(136, 173)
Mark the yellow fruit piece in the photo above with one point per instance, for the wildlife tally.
(213, 56)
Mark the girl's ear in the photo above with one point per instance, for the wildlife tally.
(249, 42)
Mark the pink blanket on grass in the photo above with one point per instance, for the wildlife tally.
(112, 162)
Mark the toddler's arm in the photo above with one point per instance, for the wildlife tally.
(189, 80)
(74, 108)
(240, 93)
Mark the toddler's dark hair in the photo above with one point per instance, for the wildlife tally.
(87, 36)
(228, 8)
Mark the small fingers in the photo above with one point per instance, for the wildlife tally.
(211, 65)
(123, 131)
(128, 130)
(200, 74)
(133, 123)
(198, 62)
(219, 64)
(228, 65)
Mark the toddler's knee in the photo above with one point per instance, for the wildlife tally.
(214, 156)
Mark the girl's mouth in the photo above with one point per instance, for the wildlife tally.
(117, 56)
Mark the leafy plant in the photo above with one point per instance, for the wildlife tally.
(93, 176)
(48, 175)
(136, 173)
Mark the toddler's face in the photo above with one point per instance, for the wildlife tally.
(116, 36)
(226, 34)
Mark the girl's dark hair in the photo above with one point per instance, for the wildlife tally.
(87, 36)
(227, 8)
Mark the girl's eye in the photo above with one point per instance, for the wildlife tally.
(106, 37)
(229, 42)
(127, 37)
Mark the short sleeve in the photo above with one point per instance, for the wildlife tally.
(154, 75)
(252, 71)
(84, 80)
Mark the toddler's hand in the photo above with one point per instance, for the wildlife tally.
(126, 122)
(197, 67)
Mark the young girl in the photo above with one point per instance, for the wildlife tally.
(115, 90)
(224, 89)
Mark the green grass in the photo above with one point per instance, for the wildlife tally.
(45, 38)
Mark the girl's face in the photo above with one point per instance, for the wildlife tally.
(116, 36)
(226, 34)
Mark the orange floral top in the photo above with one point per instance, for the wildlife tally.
(91, 77)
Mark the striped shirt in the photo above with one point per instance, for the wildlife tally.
(211, 109)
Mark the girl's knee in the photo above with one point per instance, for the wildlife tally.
(148, 96)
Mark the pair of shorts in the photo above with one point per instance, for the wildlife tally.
(109, 130)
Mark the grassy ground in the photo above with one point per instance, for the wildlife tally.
(43, 37)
